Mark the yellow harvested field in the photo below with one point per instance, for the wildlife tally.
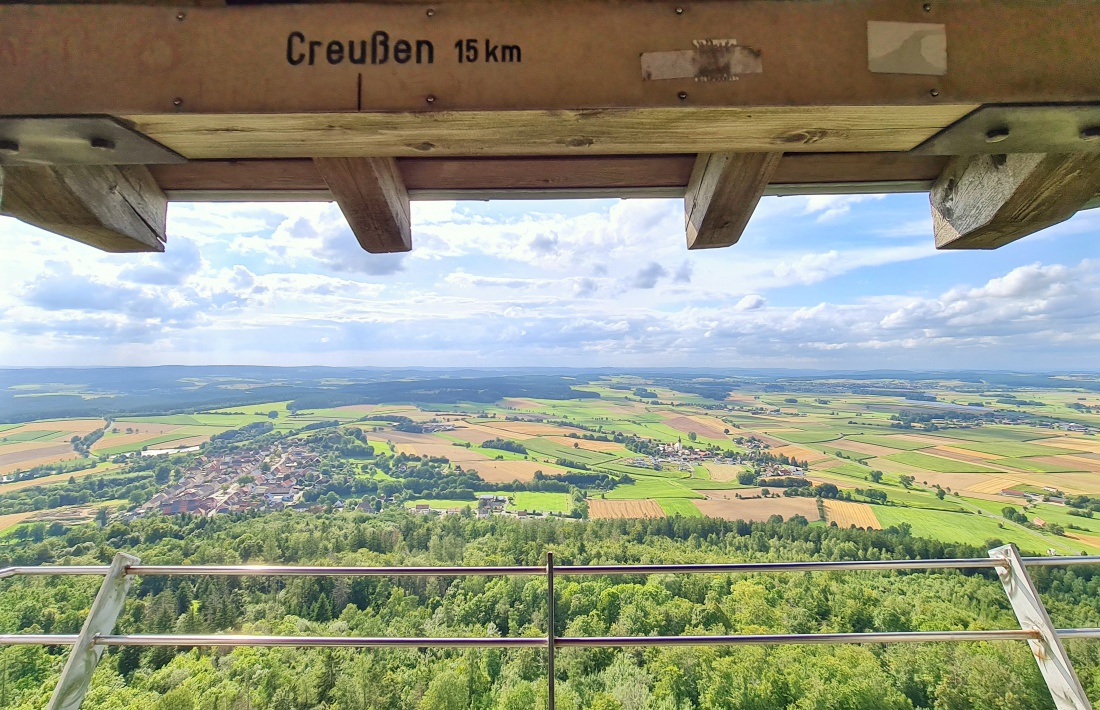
(861, 448)
(145, 429)
(1084, 483)
(801, 453)
(928, 439)
(1076, 462)
(141, 432)
(28, 459)
(74, 426)
(723, 472)
(524, 429)
(602, 446)
(20, 446)
(992, 484)
(648, 508)
(1091, 446)
(951, 452)
(702, 426)
(404, 437)
(521, 404)
(1091, 540)
(10, 521)
(476, 434)
(1065, 442)
(56, 478)
(181, 443)
(357, 408)
(456, 454)
(846, 514)
(507, 471)
(759, 508)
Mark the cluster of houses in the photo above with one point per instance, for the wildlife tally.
(266, 479)
(683, 458)
(487, 505)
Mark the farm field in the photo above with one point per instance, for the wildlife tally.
(939, 464)
(759, 508)
(846, 514)
(598, 508)
(853, 441)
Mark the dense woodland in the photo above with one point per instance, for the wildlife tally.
(999, 676)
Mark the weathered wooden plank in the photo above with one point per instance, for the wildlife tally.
(116, 208)
(207, 179)
(374, 200)
(722, 194)
(289, 58)
(644, 131)
(809, 168)
(987, 201)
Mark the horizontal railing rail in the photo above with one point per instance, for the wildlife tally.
(95, 636)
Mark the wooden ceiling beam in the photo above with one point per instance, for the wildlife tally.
(560, 56)
(299, 178)
(373, 198)
(113, 208)
(987, 201)
(722, 195)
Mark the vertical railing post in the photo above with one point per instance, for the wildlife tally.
(550, 633)
(85, 655)
(1050, 654)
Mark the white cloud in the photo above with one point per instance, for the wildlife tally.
(578, 284)
(829, 207)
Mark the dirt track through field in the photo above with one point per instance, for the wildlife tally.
(648, 508)
(845, 514)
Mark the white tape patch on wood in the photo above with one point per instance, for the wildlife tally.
(907, 48)
(711, 60)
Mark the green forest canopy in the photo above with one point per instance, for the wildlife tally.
(941, 676)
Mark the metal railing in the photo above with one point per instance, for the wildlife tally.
(96, 634)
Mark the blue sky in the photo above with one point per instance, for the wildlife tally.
(827, 281)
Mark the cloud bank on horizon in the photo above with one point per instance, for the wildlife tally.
(825, 281)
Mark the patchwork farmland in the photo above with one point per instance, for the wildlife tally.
(946, 466)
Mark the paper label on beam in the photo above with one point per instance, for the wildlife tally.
(711, 60)
(907, 48)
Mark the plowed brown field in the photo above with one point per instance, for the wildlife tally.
(697, 425)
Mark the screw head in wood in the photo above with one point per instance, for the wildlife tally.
(430, 12)
(934, 92)
(996, 135)
(8, 146)
(181, 16)
(679, 11)
(928, 7)
(430, 99)
(682, 95)
(177, 102)
(1092, 133)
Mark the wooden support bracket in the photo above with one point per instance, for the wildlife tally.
(116, 208)
(722, 193)
(987, 201)
(374, 200)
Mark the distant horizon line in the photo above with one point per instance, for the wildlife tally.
(557, 368)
